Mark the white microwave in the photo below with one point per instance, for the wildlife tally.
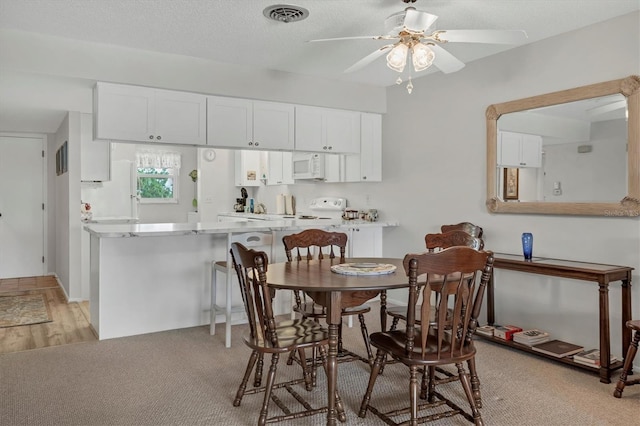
(307, 165)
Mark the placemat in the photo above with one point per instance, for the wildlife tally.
(363, 268)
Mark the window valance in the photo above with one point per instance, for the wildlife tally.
(158, 159)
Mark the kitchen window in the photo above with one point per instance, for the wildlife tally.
(158, 175)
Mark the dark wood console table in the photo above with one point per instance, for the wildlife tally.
(602, 274)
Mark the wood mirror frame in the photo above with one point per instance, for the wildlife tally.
(628, 206)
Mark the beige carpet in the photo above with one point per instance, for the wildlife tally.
(187, 377)
(24, 310)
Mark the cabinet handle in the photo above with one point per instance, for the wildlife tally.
(250, 143)
(330, 147)
(523, 164)
(324, 147)
(158, 137)
(151, 137)
(257, 143)
(364, 178)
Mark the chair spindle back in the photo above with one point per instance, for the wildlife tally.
(458, 276)
(251, 267)
(468, 227)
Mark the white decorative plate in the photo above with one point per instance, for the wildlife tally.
(363, 268)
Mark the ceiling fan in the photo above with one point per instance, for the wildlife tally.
(409, 32)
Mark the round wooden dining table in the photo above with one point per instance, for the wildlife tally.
(335, 291)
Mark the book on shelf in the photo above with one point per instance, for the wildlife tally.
(505, 332)
(531, 337)
(591, 357)
(557, 348)
(485, 330)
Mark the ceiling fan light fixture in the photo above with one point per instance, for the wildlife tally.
(421, 56)
(397, 58)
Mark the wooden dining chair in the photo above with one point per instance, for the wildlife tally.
(436, 242)
(458, 276)
(468, 227)
(266, 336)
(320, 244)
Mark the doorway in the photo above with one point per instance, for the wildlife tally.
(22, 170)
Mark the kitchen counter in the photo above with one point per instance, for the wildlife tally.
(153, 277)
(120, 230)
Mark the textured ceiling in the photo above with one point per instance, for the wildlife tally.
(235, 31)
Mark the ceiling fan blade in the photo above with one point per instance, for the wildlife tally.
(445, 61)
(417, 20)
(381, 37)
(368, 59)
(483, 36)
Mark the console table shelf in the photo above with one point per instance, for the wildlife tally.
(595, 272)
(566, 360)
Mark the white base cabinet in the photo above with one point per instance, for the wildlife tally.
(142, 114)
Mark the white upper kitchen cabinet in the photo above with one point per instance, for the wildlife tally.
(143, 114)
(519, 150)
(280, 168)
(248, 168)
(367, 167)
(95, 155)
(248, 124)
(327, 130)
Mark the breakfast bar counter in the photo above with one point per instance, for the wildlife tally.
(146, 278)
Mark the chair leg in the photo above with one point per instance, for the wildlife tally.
(212, 326)
(464, 379)
(432, 385)
(243, 385)
(475, 382)
(308, 381)
(413, 394)
(257, 381)
(365, 337)
(262, 420)
(292, 357)
(424, 386)
(375, 370)
(628, 365)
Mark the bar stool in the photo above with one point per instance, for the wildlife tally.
(248, 239)
(628, 360)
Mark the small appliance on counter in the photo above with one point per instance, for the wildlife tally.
(241, 203)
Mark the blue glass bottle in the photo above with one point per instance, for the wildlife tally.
(527, 245)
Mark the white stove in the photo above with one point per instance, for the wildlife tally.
(325, 208)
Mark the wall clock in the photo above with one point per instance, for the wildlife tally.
(209, 154)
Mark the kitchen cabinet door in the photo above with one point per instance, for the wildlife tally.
(229, 122)
(180, 118)
(123, 112)
(95, 155)
(273, 126)
(247, 124)
(371, 148)
(334, 168)
(367, 166)
(365, 242)
(519, 150)
(247, 168)
(327, 130)
(142, 114)
(280, 168)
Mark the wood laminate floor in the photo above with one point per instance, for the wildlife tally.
(70, 320)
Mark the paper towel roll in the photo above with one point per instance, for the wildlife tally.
(288, 204)
(280, 204)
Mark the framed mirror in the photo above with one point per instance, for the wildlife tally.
(573, 152)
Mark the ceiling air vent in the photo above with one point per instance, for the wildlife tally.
(286, 13)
